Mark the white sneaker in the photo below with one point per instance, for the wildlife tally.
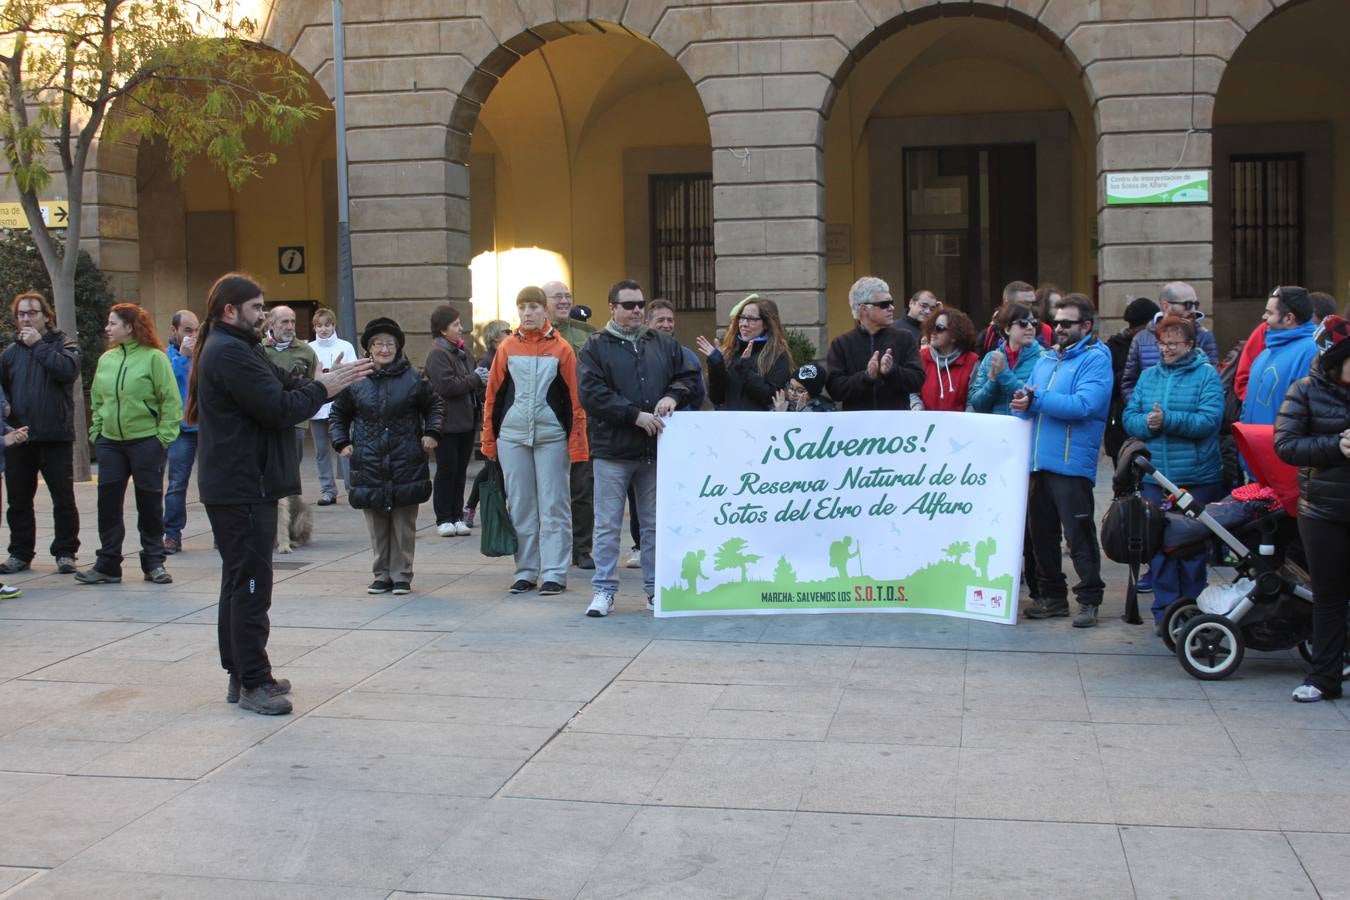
(634, 560)
(461, 528)
(651, 603)
(447, 529)
(601, 604)
(1307, 693)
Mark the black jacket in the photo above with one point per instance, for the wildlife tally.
(247, 411)
(848, 383)
(620, 379)
(738, 385)
(384, 418)
(451, 373)
(1307, 434)
(40, 384)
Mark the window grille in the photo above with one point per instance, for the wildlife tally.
(682, 240)
(1267, 208)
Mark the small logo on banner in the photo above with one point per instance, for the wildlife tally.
(986, 600)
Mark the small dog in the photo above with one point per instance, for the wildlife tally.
(295, 523)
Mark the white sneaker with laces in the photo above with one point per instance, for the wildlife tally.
(461, 528)
(446, 529)
(1307, 693)
(601, 604)
(634, 560)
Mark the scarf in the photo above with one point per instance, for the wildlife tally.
(624, 335)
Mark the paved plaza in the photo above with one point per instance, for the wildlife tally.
(463, 742)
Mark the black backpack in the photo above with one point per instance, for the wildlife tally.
(1132, 529)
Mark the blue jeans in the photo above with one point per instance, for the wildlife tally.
(612, 479)
(182, 454)
(323, 459)
(1177, 578)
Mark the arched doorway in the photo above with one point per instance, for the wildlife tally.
(280, 226)
(589, 162)
(1282, 163)
(959, 155)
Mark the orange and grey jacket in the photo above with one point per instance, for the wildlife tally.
(531, 395)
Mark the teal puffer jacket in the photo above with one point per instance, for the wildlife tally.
(992, 395)
(1190, 395)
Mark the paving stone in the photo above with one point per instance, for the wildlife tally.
(652, 708)
(863, 857)
(79, 880)
(1151, 711)
(738, 774)
(1026, 860)
(11, 876)
(1056, 786)
(362, 704)
(1326, 861)
(885, 779)
(523, 848)
(602, 768)
(1163, 863)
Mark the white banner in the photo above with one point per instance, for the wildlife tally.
(764, 512)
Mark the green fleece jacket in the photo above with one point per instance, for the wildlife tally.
(134, 395)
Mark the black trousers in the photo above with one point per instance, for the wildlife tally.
(1327, 546)
(453, 452)
(583, 508)
(244, 537)
(55, 460)
(1063, 504)
(141, 462)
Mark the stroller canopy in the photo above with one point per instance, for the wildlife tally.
(1256, 443)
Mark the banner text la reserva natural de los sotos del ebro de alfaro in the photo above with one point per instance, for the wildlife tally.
(762, 512)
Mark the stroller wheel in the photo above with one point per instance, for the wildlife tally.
(1210, 647)
(1175, 618)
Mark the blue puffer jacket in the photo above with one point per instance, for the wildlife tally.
(1068, 408)
(1144, 353)
(1191, 397)
(1287, 358)
(993, 396)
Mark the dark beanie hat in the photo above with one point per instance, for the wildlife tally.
(812, 377)
(1333, 340)
(1141, 311)
(381, 325)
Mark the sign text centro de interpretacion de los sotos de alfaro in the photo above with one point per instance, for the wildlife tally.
(762, 513)
(1136, 188)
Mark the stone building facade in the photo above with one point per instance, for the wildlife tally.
(812, 179)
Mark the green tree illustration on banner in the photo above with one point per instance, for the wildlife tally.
(783, 573)
(732, 555)
(956, 550)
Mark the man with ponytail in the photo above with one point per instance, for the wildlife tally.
(246, 410)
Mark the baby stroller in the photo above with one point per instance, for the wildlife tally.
(1268, 604)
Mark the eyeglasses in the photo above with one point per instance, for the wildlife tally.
(796, 390)
(751, 318)
(28, 313)
(1186, 304)
(1066, 323)
(884, 304)
(383, 345)
(560, 296)
(631, 305)
(1026, 323)
(1173, 345)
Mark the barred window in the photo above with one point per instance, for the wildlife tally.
(682, 239)
(1267, 223)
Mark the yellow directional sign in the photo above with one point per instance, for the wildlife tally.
(54, 213)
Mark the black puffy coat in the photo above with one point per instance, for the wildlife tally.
(1307, 434)
(849, 354)
(40, 384)
(738, 384)
(617, 379)
(384, 418)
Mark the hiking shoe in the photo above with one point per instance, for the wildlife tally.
(402, 587)
(551, 588)
(171, 546)
(159, 576)
(327, 499)
(12, 565)
(94, 576)
(1087, 616)
(9, 592)
(584, 561)
(521, 586)
(462, 528)
(469, 513)
(276, 687)
(634, 560)
(261, 700)
(446, 529)
(65, 565)
(1047, 609)
(601, 604)
(380, 586)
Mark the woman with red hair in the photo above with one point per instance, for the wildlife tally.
(135, 409)
(949, 362)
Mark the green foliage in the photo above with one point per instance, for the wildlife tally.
(957, 549)
(732, 555)
(800, 347)
(783, 573)
(21, 269)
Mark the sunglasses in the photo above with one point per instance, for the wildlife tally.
(1027, 323)
(939, 329)
(1187, 304)
(1066, 323)
(884, 304)
(751, 318)
(631, 305)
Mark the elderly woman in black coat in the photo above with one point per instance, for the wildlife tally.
(386, 426)
(1312, 431)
